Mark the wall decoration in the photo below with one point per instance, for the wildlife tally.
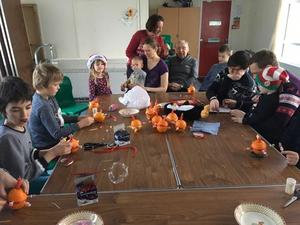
(236, 23)
(128, 16)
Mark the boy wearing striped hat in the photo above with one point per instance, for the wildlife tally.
(277, 104)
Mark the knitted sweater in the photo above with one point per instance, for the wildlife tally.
(182, 71)
(46, 123)
(135, 46)
(277, 117)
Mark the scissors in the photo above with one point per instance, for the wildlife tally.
(295, 197)
(91, 146)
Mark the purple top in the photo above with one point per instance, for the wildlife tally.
(153, 75)
(99, 86)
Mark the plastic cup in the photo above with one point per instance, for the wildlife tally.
(290, 185)
(118, 172)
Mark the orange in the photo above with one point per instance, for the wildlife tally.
(191, 89)
(162, 126)
(17, 196)
(204, 114)
(155, 120)
(172, 117)
(136, 125)
(180, 124)
(99, 117)
(93, 104)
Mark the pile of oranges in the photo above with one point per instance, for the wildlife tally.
(161, 123)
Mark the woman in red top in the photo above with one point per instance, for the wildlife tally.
(153, 29)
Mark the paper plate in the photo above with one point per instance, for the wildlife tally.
(128, 112)
(255, 214)
(82, 218)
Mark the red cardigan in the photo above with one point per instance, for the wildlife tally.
(135, 46)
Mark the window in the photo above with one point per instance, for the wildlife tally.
(288, 35)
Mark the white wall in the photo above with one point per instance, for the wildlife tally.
(78, 28)
(262, 23)
(238, 38)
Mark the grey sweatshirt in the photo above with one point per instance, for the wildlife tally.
(17, 154)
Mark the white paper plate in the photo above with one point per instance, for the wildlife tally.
(180, 108)
(82, 218)
(128, 112)
(252, 214)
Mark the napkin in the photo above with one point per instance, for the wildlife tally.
(136, 97)
(211, 128)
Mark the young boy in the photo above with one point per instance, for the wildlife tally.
(46, 123)
(17, 155)
(234, 87)
(224, 53)
(138, 76)
(277, 104)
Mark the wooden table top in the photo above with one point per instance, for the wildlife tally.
(202, 206)
(173, 160)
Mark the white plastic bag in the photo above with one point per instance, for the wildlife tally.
(137, 97)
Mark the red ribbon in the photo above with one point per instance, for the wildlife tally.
(118, 148)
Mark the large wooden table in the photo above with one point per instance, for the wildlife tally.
(191, 207)
(174, 160)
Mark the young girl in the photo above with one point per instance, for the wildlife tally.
(99, 79)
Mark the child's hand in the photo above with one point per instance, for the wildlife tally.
(237, 115)
(123, 86)
(214, 105)
(130, 85)
(62, 148)
(7, 182)
(291, 156)
(230, 103)
(255, 98)
(86, 121)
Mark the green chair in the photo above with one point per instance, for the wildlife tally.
(167, 39)
(66, 100)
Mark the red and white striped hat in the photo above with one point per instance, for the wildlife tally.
(271, 77)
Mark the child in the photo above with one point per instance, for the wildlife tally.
(138, 76)
(99, 79)
(277, 104)
(224, 53)
(46, 123)
(8, 182)
(17, 155)
(234, 87)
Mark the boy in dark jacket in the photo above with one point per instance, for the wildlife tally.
(234, 87)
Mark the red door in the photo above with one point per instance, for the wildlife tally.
(214, 32)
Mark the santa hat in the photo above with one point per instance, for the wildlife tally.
(95, 57)
(271, 77)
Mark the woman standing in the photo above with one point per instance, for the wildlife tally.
(153, 29)
(155, 67)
